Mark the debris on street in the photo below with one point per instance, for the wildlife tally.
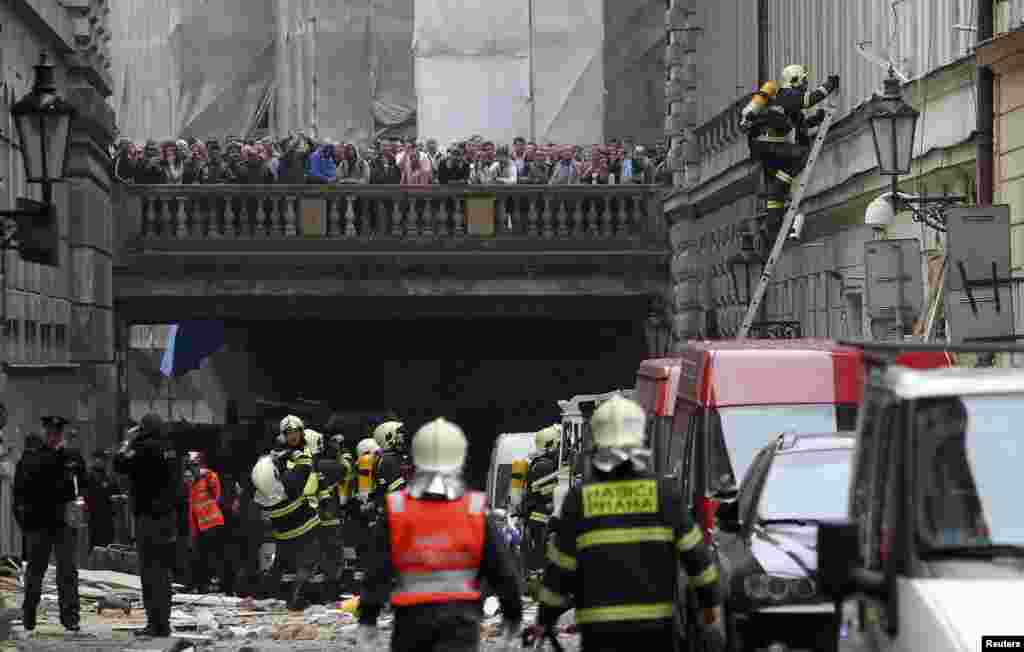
(112, 611)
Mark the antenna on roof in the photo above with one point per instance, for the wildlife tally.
(886, 63)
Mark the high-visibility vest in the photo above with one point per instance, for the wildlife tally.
(436, 548)
(367, 465)
(518, 483)
(205, 512)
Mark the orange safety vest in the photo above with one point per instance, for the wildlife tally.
(436, 548)
(204, 511)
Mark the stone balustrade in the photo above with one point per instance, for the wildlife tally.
(360, 212)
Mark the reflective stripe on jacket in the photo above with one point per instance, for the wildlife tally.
(436, 548)
(616, 551)
(296, 515)
(203, 511)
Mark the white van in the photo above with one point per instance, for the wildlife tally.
(508, 448)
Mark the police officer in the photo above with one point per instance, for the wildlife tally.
(768, 119)
(614, 555)
(538, 502)
(435, 545)
(287, 484)
(393, 462)
(154, 469)
(44, 484)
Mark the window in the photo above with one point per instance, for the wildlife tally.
(785, 493)
(747, 490)
(60, 336)
(46, 338)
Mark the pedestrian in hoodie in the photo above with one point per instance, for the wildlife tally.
(322, 166)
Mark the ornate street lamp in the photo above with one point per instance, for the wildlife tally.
(43, 121)
(893, 127)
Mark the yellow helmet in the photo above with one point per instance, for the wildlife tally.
(440, 446)
(548, 437)
(793, 75)
(388, 434)
(618, 423)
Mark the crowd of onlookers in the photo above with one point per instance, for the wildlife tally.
(298, 159)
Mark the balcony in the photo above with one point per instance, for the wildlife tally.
(372, 241)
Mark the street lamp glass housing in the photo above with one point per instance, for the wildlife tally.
(893, 124)
(43, 120)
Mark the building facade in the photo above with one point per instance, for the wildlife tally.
(57, 344)
(818, 285)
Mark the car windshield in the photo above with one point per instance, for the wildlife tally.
(786, 495)
(746, 429)
(971, 453)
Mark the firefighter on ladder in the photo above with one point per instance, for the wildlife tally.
(434, 546)
(768, 119)
(615, 553)
(538, 502)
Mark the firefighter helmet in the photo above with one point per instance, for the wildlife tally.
(291, 423)
(389, 434)
(269, 489)
(794, 76)
(367, 445)
(439, 447)
(547, 438)
(618, 423)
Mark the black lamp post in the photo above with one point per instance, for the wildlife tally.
(893, 127)
(43, 120)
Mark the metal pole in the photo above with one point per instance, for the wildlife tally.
(533, 99)
(316, 90)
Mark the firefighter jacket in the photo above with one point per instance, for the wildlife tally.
(204, 500)
(296, 514)
(538, 503)
(154, 469)
(365, 481)
(43, 485)
(331, 481)
(615, 552)
(433, 551)
(390, 474)
(785, 113)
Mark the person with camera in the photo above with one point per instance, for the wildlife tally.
(46, 484)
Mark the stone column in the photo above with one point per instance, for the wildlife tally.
(680, 94)
(90, 231)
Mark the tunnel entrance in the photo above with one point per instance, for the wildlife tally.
(489, 375)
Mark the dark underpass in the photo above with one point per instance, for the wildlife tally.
(488, 375)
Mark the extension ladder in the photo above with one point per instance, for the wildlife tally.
(796, 196)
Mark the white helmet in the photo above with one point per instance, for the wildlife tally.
(793, 75)
(268, 486)
(291, 422)
(388, 434)
(314, 441)
(618, 423)
(548, 437)
(440, 447)
(367, 445)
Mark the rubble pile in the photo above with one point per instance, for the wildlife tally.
(112, 609)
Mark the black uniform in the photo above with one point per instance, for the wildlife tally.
(329, 531)
(393, 467)
(43, 486)
(537, 507)
(422, 626)
(614, 557)
(155, 471)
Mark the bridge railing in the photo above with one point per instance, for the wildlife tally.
(359, 212)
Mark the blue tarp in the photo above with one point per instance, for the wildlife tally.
(189, 344)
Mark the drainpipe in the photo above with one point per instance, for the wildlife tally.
(986, 111)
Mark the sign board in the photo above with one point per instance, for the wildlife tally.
(977, 238)
(480, 214)
(313, 218)
(893, 285)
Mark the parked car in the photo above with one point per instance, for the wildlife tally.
(931, 551)
(766, 537)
